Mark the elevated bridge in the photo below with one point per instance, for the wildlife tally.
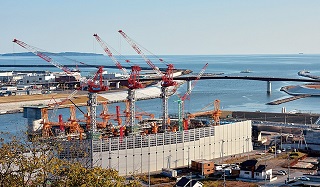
(217, 77)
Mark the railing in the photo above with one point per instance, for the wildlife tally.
(160, 139)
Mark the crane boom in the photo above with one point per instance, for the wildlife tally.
(138, 50)
(181, 100)
(107, 50)
(194, 82)
(42, 55)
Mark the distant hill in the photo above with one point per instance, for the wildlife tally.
(62, 54)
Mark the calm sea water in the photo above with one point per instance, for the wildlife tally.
(238, 95)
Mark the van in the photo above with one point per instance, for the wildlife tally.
(9, 88)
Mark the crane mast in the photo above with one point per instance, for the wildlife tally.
(108, 51)
(95, 85)
(184, 97)
(133, 84)
(167, 80)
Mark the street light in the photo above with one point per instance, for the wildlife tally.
(275, 147)
(265, 165)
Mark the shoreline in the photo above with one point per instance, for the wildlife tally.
(114, 96)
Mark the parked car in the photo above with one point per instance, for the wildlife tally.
(281, 172)
(303, 178)
(284, 171)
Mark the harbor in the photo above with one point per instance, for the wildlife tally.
(159, 94)
(164, 147)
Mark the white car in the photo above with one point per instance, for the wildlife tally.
(280, 172)
(303, 178)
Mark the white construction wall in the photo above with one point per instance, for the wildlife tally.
(140, 154)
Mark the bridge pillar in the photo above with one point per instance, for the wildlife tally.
(189, 85)
(117, 85)
(268, 87)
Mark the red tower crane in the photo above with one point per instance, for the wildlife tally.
(167, 78)
(184, 97)
(133, 80)
(94, 85)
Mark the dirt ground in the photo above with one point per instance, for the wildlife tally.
(78, 98)
(18, 98)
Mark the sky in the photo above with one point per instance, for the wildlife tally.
(165, 27)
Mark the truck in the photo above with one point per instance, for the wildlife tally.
(8, 90)
(272, 149)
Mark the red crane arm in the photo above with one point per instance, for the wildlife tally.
(42, 55)
(107, 50)
(167, 78)
(138, 50)
(95, 85)
(133, 80)
(194, 82)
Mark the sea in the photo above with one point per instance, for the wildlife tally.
(235, 95)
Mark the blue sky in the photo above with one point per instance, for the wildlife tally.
(164, 26)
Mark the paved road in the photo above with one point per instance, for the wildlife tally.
(281, 179)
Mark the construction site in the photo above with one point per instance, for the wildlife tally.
(126, 140)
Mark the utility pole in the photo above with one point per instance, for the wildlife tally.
(224, 178)
(188, 157)
(275, 147)
(265, 165)
(247, 142)
(222, 141)
(190, 179)
(281, 138)
(149, 162)
(288, 167)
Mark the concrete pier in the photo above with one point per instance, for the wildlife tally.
(280, 101)
(269, 87)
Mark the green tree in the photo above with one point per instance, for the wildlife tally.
(36, 163)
